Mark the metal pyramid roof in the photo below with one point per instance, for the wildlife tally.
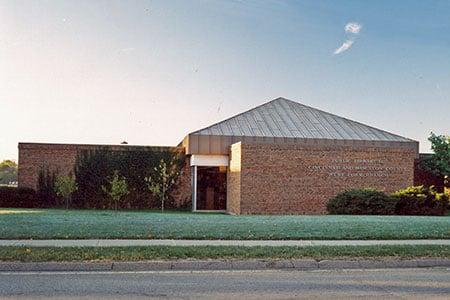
(288, 119)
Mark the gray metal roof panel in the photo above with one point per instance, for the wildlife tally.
(284, 118)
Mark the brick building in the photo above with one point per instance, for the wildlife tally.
(281, 157)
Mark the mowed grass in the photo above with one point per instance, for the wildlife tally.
(40, 254)
(102, 224)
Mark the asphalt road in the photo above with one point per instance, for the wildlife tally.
(388, 283)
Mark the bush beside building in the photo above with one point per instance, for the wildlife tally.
(415, 200)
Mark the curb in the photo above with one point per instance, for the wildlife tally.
(198, 265)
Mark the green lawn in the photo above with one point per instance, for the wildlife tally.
(218, 252)
(71, 224)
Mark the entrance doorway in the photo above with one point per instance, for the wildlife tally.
(211, 188)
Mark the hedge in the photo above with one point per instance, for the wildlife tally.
(92, 169)
(362, 202)
(420, 200)
(415, 200)
(18, 197)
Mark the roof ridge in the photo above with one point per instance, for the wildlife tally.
(237, 115)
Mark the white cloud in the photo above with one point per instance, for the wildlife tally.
(126, 49)
(344, 47)
(352, 27)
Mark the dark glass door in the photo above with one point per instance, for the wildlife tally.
(211, 188)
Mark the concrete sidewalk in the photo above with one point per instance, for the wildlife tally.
(245, 243)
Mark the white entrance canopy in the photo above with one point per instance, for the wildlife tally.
(209, 160)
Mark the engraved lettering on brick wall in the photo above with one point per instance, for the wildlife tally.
(343, 167)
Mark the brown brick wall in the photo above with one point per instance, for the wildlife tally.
(294, 179)
(61, 158)
(234, 180)
(182, 192)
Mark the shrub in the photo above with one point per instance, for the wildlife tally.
(92, 169)
(64, 187)
(163, 179)
(117, 189)
(420, 200)
(362, 202)
(46, 195)
(17, 197)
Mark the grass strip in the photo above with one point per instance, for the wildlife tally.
(40, 254)
(104, 224)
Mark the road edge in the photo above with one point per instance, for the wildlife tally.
(217, 264)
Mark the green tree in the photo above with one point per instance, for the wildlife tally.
(161, 182)
(116, 189)
(439, 162)
(64, 187)
(8, 171)
(8, 165)
(440, 144)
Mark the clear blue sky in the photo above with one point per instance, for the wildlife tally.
(149, 72)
